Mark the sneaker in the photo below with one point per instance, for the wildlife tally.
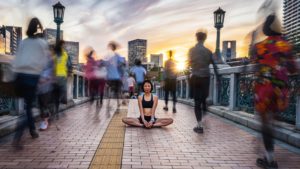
(166, 108)
(263, 163)
(174, 110)
(43, 126)
(198, 130)
(34, 134)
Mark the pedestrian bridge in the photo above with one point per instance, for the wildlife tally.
(96, 138)
(91, 137)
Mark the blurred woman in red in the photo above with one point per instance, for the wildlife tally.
(275, 61)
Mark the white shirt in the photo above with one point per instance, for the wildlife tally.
(130, 81)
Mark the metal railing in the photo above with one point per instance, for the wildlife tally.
(76, 88)
(236, 91)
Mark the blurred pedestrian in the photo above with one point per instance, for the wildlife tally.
(131, 84)
(91, 69)
(199, 59)
(275, 61)
(139, 73)
(63, 69)
(101, 75)
(45, 92)
(31, 59)
(115, 65)
(170, 75)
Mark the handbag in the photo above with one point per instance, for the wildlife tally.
(101, 72)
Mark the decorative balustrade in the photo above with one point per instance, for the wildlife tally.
(235, 91)
(76, 88)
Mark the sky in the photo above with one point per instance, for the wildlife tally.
(165, 24)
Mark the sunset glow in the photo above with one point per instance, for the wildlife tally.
(165, 24)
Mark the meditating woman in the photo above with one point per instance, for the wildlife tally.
(147, 106)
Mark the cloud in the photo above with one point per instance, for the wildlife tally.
(166, 24)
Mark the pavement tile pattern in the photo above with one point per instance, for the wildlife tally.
(94, 138)
(222, 146)
(72, 146)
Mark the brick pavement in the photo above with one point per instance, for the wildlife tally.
(73, 146)
(222, 146)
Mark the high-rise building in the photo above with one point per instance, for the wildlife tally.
(157, 59)
(9, 39)
(72, 49)
(15, 38)
(137, 49)
(229, 50)
(50, 35)
(2, 44)
(5, 41)
(291, 19)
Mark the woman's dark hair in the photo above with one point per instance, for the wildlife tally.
(33, 26)
(59, 47)
(147, 81)
(267, 26)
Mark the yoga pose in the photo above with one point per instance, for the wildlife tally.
(147, 106)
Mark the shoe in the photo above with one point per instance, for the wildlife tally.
(166, 108)
(43, 126)
(34, 134)
(174, 110)
(198, 130)
(263, 163)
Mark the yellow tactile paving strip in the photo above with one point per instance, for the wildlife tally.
(110, 150)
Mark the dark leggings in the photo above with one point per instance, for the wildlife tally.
(170, 87)
(267, 132)
(200, 87)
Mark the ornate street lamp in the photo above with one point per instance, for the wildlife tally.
(219, 20)
(58, 11)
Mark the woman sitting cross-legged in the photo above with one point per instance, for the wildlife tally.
(147, 105)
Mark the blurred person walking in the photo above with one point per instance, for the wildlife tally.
(199, 59)
(31, 59)
(275, 61)
(139, 73)
(63, 69)
(170, 76)
(131, 83)
(115, 64)
(91, 69)
(45, 92)
(101, 75)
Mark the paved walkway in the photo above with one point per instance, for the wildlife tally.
(73, 146)
(78, 143)
(222, 146)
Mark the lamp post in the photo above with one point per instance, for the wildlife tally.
(58, 11)
(219, 20)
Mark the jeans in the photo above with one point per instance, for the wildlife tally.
(26, 85)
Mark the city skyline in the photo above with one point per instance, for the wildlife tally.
(165, 24)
